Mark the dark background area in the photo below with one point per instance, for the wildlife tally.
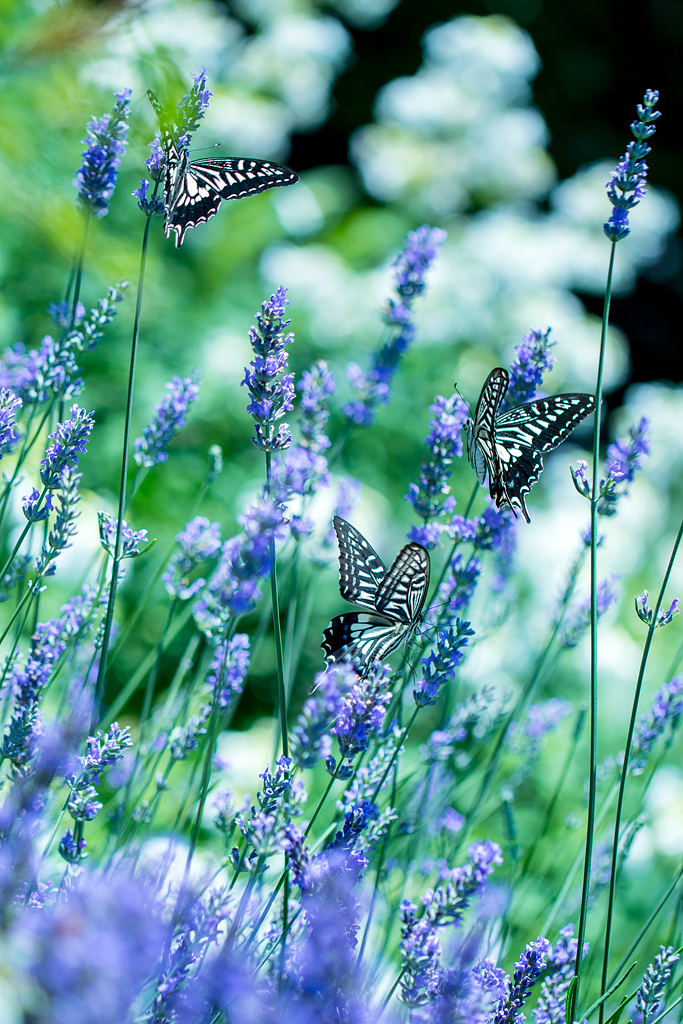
(597, 60)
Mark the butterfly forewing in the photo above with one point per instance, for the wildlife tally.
(394, 599)
(480, 436)
(402, 592)
(361, 570)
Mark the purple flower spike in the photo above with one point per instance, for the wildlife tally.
(228, 669)
(439, 667)
(132, 539)
(664, 617)
(68, 442)
(650, 995)
(106, 143)
(626, 187)
(9, 407)
(272, 392)
(444, 444)
(169, 418)
(528, 969)
(532, 361)
(666, 707)
(374, 388)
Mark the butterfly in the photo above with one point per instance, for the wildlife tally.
(393, 600)
(194, 189)
(510, 446)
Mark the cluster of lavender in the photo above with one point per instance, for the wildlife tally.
(374, 387)
(341, 892)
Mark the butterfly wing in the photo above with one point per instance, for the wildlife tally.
(199, 187)
(361, 638)
(481, 430)
(361, 570)
(521, 437)
(402, 592)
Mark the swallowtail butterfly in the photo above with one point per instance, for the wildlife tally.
(393, 599)
(510, 446)
(194, 189)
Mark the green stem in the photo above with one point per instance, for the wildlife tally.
(592, 777)
(624, 768)
(282, 690)
(102, 668)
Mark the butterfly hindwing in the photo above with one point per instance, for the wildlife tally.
(393, 598)
(362, 638)
(509, 447)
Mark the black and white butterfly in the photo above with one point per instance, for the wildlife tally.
(194, 189)
(510, 446)
(393, 599)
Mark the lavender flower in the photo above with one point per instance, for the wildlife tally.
(627, 185)
(169, 418)
(233, 588)
(316, 385)
(190, 110)
(457, 589)
(561, 960)
(130, 539)
(102, 752)
(154, 204)
(73, 849)
(9, 406)
(106, 143)
(15, 574)
(646, 614)
(279, 801)
(578, 617)
(197, 542)
(361, 715)
(475, 716)
(417, 254)
(272, 393)
(445, 444)
(68, 442)
(420, 947)
(28, 684)
(52, 370)
(438, 668)
(527, 970)
(311, 740)
(34, 509)
(666, 708)
(64, 315)
(90, 954)
(64, 527)
(228, 669)
(650, 995)
(532, 360)
(184, 739)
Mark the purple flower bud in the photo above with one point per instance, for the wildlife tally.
(626, 186)
(106, 143)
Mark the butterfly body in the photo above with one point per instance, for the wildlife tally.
(508, 447)
(194, 189)
(392, 600)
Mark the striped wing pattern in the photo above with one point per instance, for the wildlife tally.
(481, 430)
(394, 599)
(194, 189)
(513, 453)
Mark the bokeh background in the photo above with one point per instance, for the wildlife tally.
(497, 121)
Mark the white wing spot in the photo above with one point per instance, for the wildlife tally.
(191, 184)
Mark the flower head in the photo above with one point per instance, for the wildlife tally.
(444, 443)
(272, 392)
(169, 418)
(646, 614)
(228, 668)
(533, 359)
(9, 406)
(373, 388)
(68, 442)
(105, 145)
(130, 539)
(650, 995)
(197, 542)
(439, 667)
(626, 187)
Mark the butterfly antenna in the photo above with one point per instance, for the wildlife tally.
(455, 388)
(205, 149)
